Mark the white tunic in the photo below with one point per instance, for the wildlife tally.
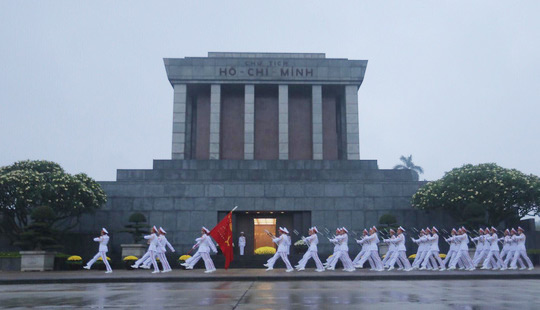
(283, 243)
(205, 244)
(154, 244)
(313, 241)
(103, 240)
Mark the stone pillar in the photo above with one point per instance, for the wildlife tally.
(317, 122)
(249, 121)
(179, 122)
(215, 109)
(351, 119)
(283, 110)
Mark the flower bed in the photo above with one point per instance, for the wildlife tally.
(74, 262)
(129, 260)
(265, 250)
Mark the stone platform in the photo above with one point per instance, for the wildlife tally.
(125, 276)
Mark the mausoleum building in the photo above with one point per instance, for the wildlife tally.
(275, 134)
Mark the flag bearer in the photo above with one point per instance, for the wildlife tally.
(205, 244)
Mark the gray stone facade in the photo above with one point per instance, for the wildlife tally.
(215, 115)
(183, 195)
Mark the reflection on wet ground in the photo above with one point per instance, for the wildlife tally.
(456, 294)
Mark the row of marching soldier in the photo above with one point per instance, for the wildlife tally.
(488, 254)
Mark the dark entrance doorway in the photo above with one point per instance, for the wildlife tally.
(244, 221)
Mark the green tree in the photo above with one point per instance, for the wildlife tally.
(484, 191)
(407, 163)
(137, 226)
(39, 235)
(26, 185)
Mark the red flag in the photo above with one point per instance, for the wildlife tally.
(222, 233)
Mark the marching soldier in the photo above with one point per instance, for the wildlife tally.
(205, 244)
(492, 257)
(102, 252)
(520, 252)
(312, 242)
(433, 250)
(364, 251)
(151, 252)
(400, 253)
(283, 242)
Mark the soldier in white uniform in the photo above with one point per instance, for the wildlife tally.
(454, 244)
(421, 251)
(343, 252)
(372, 239)
(520, 252)
(163, 243)
(492, 259)
(433, 251)
(334, 255)
(102, 252)
(479, 242)
(462, 255)
(241, 243)
(391, 248)
(364, 251)
(485, 247)
(205, 244)
(312, 251)
(400, 253)
(512, 247)
(283, 242)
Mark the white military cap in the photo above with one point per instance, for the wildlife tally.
(205, 229)
(161, 230)
(315, 229)
(403, 229)
(519, 228)
(283, 229)
(104, 230)
(345, 229)
(434, 229)
(493, 228)
(154, 228)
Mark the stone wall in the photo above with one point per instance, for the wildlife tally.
(183, 195)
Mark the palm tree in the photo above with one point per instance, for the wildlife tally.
(408, 164)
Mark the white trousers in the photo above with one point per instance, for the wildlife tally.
(399, 257)
(359, 257)
(162, 258)
(103, 256)
(310, 254)
(195, 258)
(493, 258)
(345, 260)
(509, 257)
(433, 254)
(462, 256)
(208, 263)
(242, 249)
(374, 260)
(521, 254)
(481, 257)
(283, 256)
(387, 257)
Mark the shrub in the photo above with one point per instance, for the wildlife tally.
(130, 258)
(184, 257)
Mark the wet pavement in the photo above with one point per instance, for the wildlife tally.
(410, 294)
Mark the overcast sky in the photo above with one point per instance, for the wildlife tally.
(450, 82)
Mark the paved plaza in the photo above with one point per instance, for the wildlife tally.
(452, 294)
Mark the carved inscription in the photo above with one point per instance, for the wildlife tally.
(266, 68)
